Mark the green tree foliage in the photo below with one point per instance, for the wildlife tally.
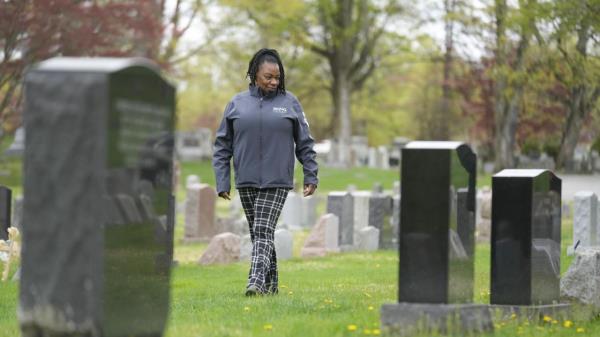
(576, 32)
(34, 30)
(344, 33)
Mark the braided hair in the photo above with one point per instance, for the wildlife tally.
(262, 56)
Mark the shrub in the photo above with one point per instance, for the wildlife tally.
(531, 148)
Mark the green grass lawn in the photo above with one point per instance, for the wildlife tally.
(330, 179)
(339, 295)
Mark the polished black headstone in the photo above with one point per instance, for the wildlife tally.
(98, 216)
(436, 223)
(526, 221)
(5, 209)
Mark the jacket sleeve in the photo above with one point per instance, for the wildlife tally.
(304, 146)
(223, 151)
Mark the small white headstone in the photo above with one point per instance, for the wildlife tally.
(309, 211)
(284, 244)
(383, 156)
(332, 227)
(192, 179)
(361, 211)
(368, 239)
(291, 214)
(372, 157)
(585, 219)
(192, 207)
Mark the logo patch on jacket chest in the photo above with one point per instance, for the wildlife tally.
(280, 110)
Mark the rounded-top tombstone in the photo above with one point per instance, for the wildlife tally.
(98, 213)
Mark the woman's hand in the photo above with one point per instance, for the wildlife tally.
(225, 195)
(309, 189)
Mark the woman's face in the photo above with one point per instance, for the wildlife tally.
(267, 77)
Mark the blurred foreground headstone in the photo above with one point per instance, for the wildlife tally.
(98, 216)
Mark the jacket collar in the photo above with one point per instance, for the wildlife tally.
(255, 91)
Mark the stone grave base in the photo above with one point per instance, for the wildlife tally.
(405, 319)
(531, 312)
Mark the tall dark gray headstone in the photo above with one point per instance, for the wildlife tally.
(342, 205)
(436, 239)
(5, 209)
(380, 212)
(99, 135)
(526, 220)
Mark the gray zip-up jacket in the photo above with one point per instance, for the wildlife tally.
(262, 133)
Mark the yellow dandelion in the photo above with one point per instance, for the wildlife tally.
(371, 308)
(567, 324)
(547, 318)
(367, 331)
(246, 308)
(376, 332)
(580, 330)
(268, 327)
(352, 327)
(291, 293)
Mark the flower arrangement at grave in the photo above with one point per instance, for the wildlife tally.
(10, 250)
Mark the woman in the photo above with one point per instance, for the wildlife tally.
(262, 128)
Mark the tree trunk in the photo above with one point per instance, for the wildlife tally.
(570, 135)
(342, 106)
(507, 107)
(443, 118)
(502, 141)
(581, 100)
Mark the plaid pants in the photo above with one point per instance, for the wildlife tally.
(262, 208)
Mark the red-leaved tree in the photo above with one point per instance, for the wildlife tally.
(34, 30)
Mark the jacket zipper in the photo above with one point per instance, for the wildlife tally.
(260, 150)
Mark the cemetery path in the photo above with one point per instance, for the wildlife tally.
(572, 183)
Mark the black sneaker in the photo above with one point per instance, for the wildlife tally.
(252, 290)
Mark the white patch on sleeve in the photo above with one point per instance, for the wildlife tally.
(305, 120)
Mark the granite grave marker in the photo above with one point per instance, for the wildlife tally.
(5, 210)
(526, 221)
(434, 233)
(96, 128)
